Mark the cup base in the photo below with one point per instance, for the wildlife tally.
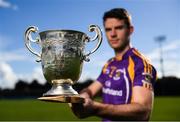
(63, 99)
(60, 89)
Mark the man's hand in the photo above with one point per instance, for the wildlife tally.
(82, 110)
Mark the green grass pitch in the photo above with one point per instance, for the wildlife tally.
(165, 108)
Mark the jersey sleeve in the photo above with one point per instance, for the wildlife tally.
(103, 75)
(101, 78)
(145, 76)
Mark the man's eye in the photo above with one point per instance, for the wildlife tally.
(120, 27)
(107, 29)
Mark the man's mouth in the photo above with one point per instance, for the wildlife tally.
(114, 41)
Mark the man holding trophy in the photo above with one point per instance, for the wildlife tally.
(126, 80)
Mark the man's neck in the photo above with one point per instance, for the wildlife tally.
(120, 53)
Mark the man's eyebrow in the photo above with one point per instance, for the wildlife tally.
(116, 27)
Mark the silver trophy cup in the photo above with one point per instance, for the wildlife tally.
(62, 55)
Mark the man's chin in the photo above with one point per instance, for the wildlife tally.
(115, 47)
(119, 47)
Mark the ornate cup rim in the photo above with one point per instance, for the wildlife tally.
(61, 30)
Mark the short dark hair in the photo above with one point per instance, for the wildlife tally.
(118, 13)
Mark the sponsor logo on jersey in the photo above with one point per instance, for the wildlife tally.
(112, 92)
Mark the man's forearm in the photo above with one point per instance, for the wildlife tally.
(132, 111)
(87, 92)
(93, 89)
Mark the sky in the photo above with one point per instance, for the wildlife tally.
(151, 19)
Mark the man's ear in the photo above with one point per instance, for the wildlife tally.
(131, 30)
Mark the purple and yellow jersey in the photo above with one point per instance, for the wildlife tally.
(120, 75)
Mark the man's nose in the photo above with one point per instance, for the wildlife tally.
(113, 33)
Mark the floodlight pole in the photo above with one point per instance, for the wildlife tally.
(160, 40)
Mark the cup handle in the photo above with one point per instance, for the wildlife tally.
(28, 40)
(97, 36)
